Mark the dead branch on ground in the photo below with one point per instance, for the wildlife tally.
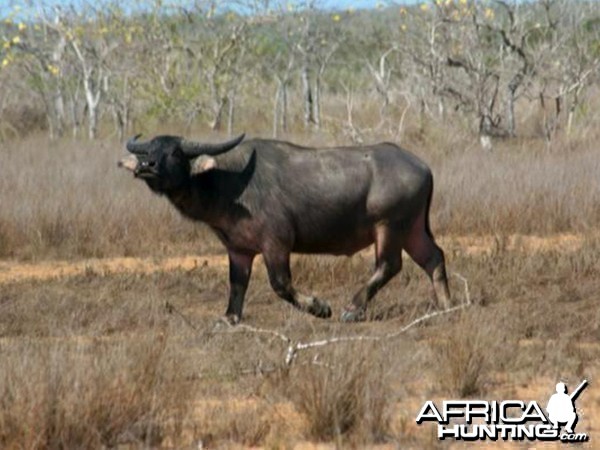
(294, 347)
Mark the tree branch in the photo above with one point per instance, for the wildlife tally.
(294, 347)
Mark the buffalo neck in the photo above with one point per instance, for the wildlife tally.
(210, 197)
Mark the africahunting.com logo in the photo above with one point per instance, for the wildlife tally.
(507, 420)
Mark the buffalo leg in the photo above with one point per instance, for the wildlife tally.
(388, 262)
(240, 268)
(280, 277)
(422, 248)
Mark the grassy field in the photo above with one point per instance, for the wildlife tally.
(103, 358)
(99, 360)
(68, 199)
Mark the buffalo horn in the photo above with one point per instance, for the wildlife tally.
(193, 149)
(137, 148)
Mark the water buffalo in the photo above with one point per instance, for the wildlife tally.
(273, 198)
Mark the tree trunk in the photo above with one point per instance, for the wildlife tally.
(485, 126)
(124, 121)
(93, 90)
(570, 120)
(317, 102)
(308, 97)
(92, 98)
(58, 98)
(121, 106)
(280, 107)
(230, 113)
(441, 108)
(75, 117)
(284, 107)
(50, 117)
(510, 114)
(59, 110)
(276, 109)
(572, 108)
(92, 122)
(217, 116)
(513, 86)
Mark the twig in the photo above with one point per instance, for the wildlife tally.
(243, 328)
(466, 284)
(294, 347)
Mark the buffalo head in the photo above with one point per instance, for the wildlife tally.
(168, 162)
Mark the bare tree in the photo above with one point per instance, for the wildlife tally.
(489, 66)
(92, 47)
(479, 57)
(213, 49)
(95, 82)
(280, 107)
(47, 65)
(316, 45)
(568, 62)
(382, 78)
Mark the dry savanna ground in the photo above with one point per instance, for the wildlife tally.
(101, 349)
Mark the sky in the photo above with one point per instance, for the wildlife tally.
(7, 6)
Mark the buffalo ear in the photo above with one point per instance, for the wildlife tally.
(201, 164)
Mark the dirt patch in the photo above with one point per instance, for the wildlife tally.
(15, 272)
(11, 271)
(478, 245)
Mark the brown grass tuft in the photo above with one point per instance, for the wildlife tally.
(467, 354)
(246, 423)
(93, 394)
(344, 396)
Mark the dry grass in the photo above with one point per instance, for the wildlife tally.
(225, 424)
(65, 199)
(96, 360)
(68, 199)
(467, 353)
(345, 396)
(88, 394)
(517, 190)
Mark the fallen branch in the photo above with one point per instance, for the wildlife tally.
(243, 328)
(294, 347)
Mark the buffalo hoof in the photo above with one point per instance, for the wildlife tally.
(353, 314)
(226, 321)
(320, 308)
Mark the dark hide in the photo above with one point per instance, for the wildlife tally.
(273, 198)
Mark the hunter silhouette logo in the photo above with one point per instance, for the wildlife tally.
(507, 420)
(561, 406)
